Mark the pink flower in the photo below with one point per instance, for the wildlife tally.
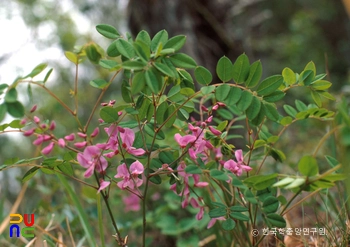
(237, 167)
(39, 140)
(195, 204)
(33, 108)
(48, 148)
(130, 176)
(36, 119)
(213, 221)
(128, 136)
(214, 131)
(103, 185)
(52, 125)
(29, 132)
(132, 203)
(80, 144)
(82, 135)
(61, 143)
(95, 132)
(70, 137)
(92, 159)
(184, 140)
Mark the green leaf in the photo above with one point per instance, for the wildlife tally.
(283, 182)
(80, 210)
(316, 97)
(245, 101)
(271, 111)
(160, 38)
(321, 85)
(296, 183)
(254, 76)
(163, 69)
(239, 216)
(332, 161)
(224, 69)
(156, 179)
(99, 83)
(144, 37)
(92, 53)
(290, 110)
(150, 131)
(249, 196)
(254, 108)
(269, 85)
(112, 49)
(187, 91)
(217, 212)
(171, 109)
(109, 64)
(222, 92)
(193, 169)
(15, 109)
(275, 96)
(260, 182)
(286, 121)
(182, 60)
(228, 225)
(326, 95)
(308, 166)
(300, 105)
(109, 114)
(161, 111)
(142, 50)
(270, 204)
(11, 95)
(47, 75)
(152, 81)
(29, 174)
(241, 69)
(276, 220)
(71, 56)
(37, 70)
(3, 87)
(233, 96)
(207, 90)
(202, 75)
(125, 48)
(289, 76)
(138, 83)
(311, 66)
(175, 42)
(219, 175)
(306, 77)
(185, 75)
(133, 65)
(108, 31)
(3, 111)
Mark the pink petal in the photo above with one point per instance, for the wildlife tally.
(128, 137)
(103, 185)
(29, 132)
(95, 132)
(48, 148)
(122, 171)
(136, 152)
(70, 137)
(36, 119)
(52, 125)
(61, 143)
(38, 140)
(214, 131)
(33, 108)
(136, 168)
(200, 214)
(80, 144)
(82, 135)
(89, 171)
(239, 155)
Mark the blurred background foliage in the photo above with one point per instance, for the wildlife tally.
(279, 33)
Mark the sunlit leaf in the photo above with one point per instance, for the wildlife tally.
(241, 68)
(108, 31)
